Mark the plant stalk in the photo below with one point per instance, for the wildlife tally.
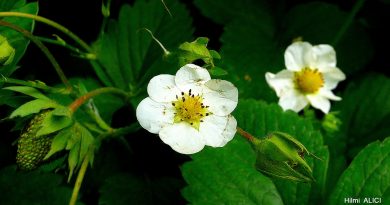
(52, 24)
(43, 48)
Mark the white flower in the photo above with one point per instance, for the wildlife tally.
(310, 76)
(189, 110)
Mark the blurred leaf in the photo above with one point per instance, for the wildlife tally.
(26, 188)
(73, 159)
(27, 91)
(131, 189)
(53, 123)
(127, 55)
(365, 111)
(225, 11)
(319, 23)
(16, 39)
(33, 107)
(256, 35)
(367, 176)
(260, 119)
(217, 71)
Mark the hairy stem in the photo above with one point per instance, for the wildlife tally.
(81, 100)
(356, 7)
(43, 48)
(80, 176)
(245, 134)
(52, 24)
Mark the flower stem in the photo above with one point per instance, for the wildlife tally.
(80, 176)
(43, 48)
(81, 100)
(52, 24)
(246, 135)
(67, 46)
(347, 23)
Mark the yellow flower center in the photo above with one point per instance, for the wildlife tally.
(308, 81)
(190, 108)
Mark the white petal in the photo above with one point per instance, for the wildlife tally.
(221, 96)
(217, 131)
(319, 102)
(332, 77)
(329, 94)
(153, 116)
(162, 88)
(182, 137)
(293, 101)
(324, 57)
(191, 75)
(281, 82)
(298, 55)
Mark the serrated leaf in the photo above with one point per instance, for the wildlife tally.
(53, 123)
(87, 141)
(367, 176)
(16, 39)
(33, 107)
(27, 91)
(26, 188)
(127, 54)
(215, 177)
(132, 189)
(73, 159)
(59, 142)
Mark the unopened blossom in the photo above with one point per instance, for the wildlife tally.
(310, 77)
(189, 110)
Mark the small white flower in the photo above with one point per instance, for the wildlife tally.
(189, 110)
(310, 76)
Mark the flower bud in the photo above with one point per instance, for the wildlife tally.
(7, 52)
(281, 155)
(32, 148)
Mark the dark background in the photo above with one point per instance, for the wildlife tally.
(148, 155)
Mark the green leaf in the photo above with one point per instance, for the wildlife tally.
(227, 176)
(217, 71)
(128, 56)
(27, 91)
(26, 188)
(124, 188)
(260, 119)
(367, 120)
(367, 176)
(59, 142)
(16, 39)
(53, 123)
(73, 159)
(86, 141)
(33, 107)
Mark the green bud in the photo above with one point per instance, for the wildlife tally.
(7, 52)
(281, 155)
(32, 148)
(331, 123)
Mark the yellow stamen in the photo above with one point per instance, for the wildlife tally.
(190, 108)
(308, 81)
